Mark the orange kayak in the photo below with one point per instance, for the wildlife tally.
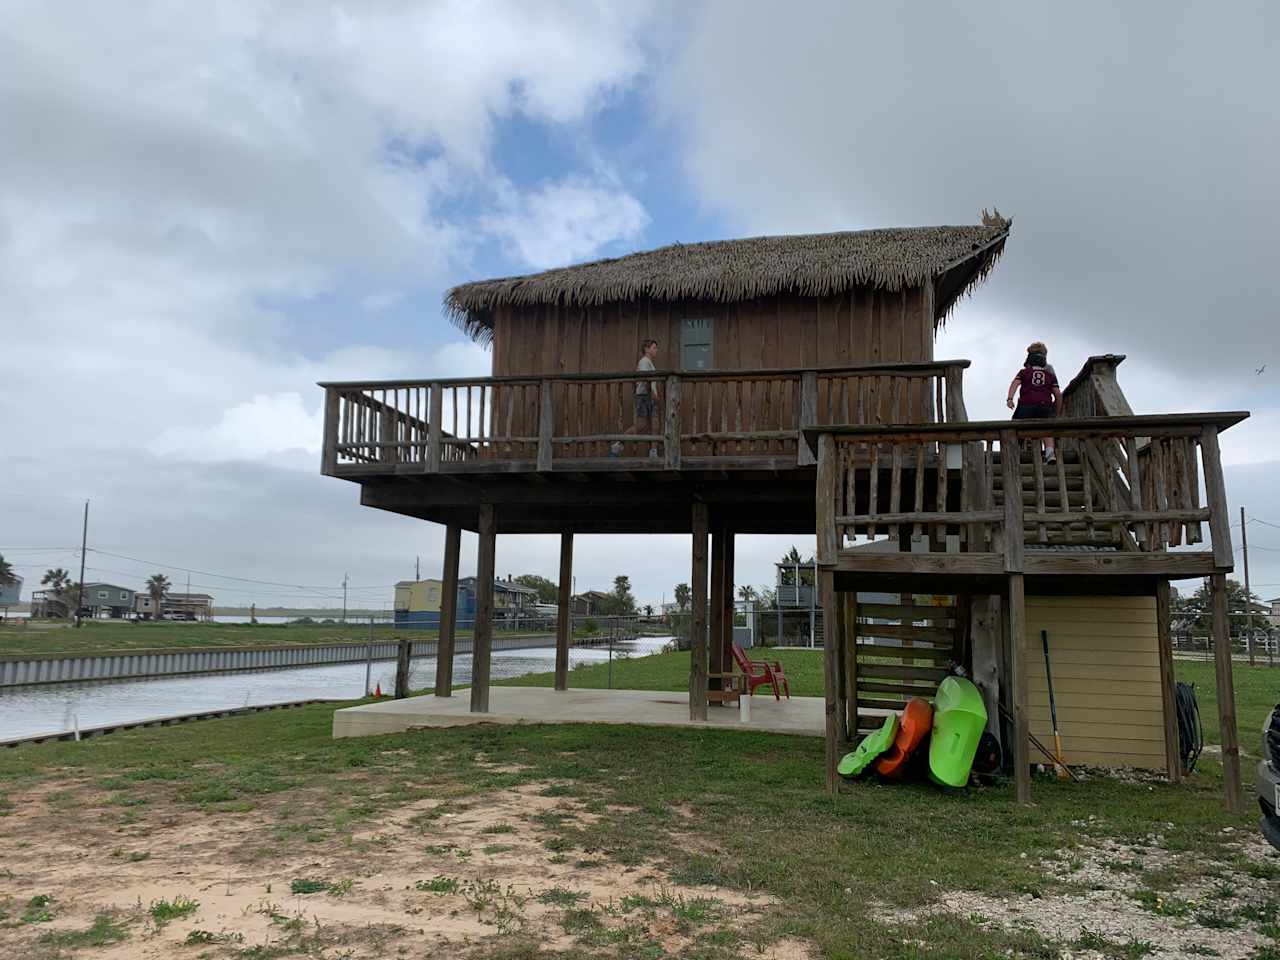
(917, 721)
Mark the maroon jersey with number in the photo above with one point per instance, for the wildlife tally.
(1037, 384)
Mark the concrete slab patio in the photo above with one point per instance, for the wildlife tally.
(799, 715)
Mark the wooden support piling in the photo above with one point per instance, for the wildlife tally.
(564, 614)
(448, 611)
(830, 674)
(698, 620)
(1226, 692)
(717, 611)
(402, 668)
(482, 642)
(1015, 620)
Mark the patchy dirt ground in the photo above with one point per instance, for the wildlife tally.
(439, 877)
(1133, 900)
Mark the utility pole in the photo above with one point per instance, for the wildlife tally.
(84, 540)
(1248, 597)
(417, 573)
(344, 598)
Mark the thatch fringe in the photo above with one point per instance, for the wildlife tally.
(815, 265)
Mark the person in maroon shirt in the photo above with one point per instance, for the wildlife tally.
(1038, 395)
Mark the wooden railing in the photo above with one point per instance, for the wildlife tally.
(593, 421)
(984, 488)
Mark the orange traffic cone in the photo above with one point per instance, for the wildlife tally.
(378, 690)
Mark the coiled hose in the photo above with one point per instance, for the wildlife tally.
(1190, 730)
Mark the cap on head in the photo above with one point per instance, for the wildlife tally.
(1037, 347)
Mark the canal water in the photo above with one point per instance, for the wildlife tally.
(52, 708)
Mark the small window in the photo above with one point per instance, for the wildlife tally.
(124, 595)
(102, 594)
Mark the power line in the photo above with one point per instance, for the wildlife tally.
(227, 576)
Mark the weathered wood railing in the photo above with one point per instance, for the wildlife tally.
(983, 488)
(591, 420)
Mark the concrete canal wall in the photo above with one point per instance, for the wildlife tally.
(142, 664)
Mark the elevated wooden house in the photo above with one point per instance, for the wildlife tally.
(797, 391)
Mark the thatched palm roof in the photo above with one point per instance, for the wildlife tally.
(724, 271)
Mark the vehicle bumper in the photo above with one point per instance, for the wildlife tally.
(1267, 780)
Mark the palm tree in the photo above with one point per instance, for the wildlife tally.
(683, 596)
(55, 579)
(7, 576)
(157, 585)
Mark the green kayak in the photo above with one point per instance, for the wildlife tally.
(872, 745)
(959, 718)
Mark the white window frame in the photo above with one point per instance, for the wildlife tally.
(102, 594)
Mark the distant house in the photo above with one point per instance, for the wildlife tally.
(417, 602)
(174, 606)
(10, 594)
(106, 600)
(590, 603)
(47, 603)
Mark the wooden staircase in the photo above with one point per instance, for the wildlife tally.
(1058, 488)
(902, 650)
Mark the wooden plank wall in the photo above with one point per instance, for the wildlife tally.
(784, 331)
(1106, 679)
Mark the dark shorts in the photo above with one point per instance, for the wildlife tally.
(1034, 411)
(644, 405)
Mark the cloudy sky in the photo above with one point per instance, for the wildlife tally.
(206, 208)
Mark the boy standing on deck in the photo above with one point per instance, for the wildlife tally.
(1038, 395)
(646, 398)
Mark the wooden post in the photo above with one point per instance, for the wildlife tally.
(329, 456)
(808, 414)
(671, 442)
(836, 633)
(1015, 620)
(698, 624)
(956, 412)
(435, 428)
(448, 611)
(726, 641)
(1226, 692)
(1216, 497)
(825, 498)
(716, 617)
(830, 675)
(402, 669)
(482, 637)
(1164, 642)
(1011, 480)
(850, 632)
(1248, 592)
(564, 615)
(546, 426)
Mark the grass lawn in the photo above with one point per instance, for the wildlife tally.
(111, 636)
(404, 827)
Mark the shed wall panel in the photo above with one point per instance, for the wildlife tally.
(1106, 679)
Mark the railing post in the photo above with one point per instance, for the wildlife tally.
(1011, 481)
(808, 415)
(671, 441)
(388, 434)
(1216, 495)
(434, 430)
(828, 485)
(955, 412)
(546, 426)
(329, 457)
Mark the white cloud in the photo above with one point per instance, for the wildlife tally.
(565, 222)
(256, 429)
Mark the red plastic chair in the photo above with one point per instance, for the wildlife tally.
(761, 672)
